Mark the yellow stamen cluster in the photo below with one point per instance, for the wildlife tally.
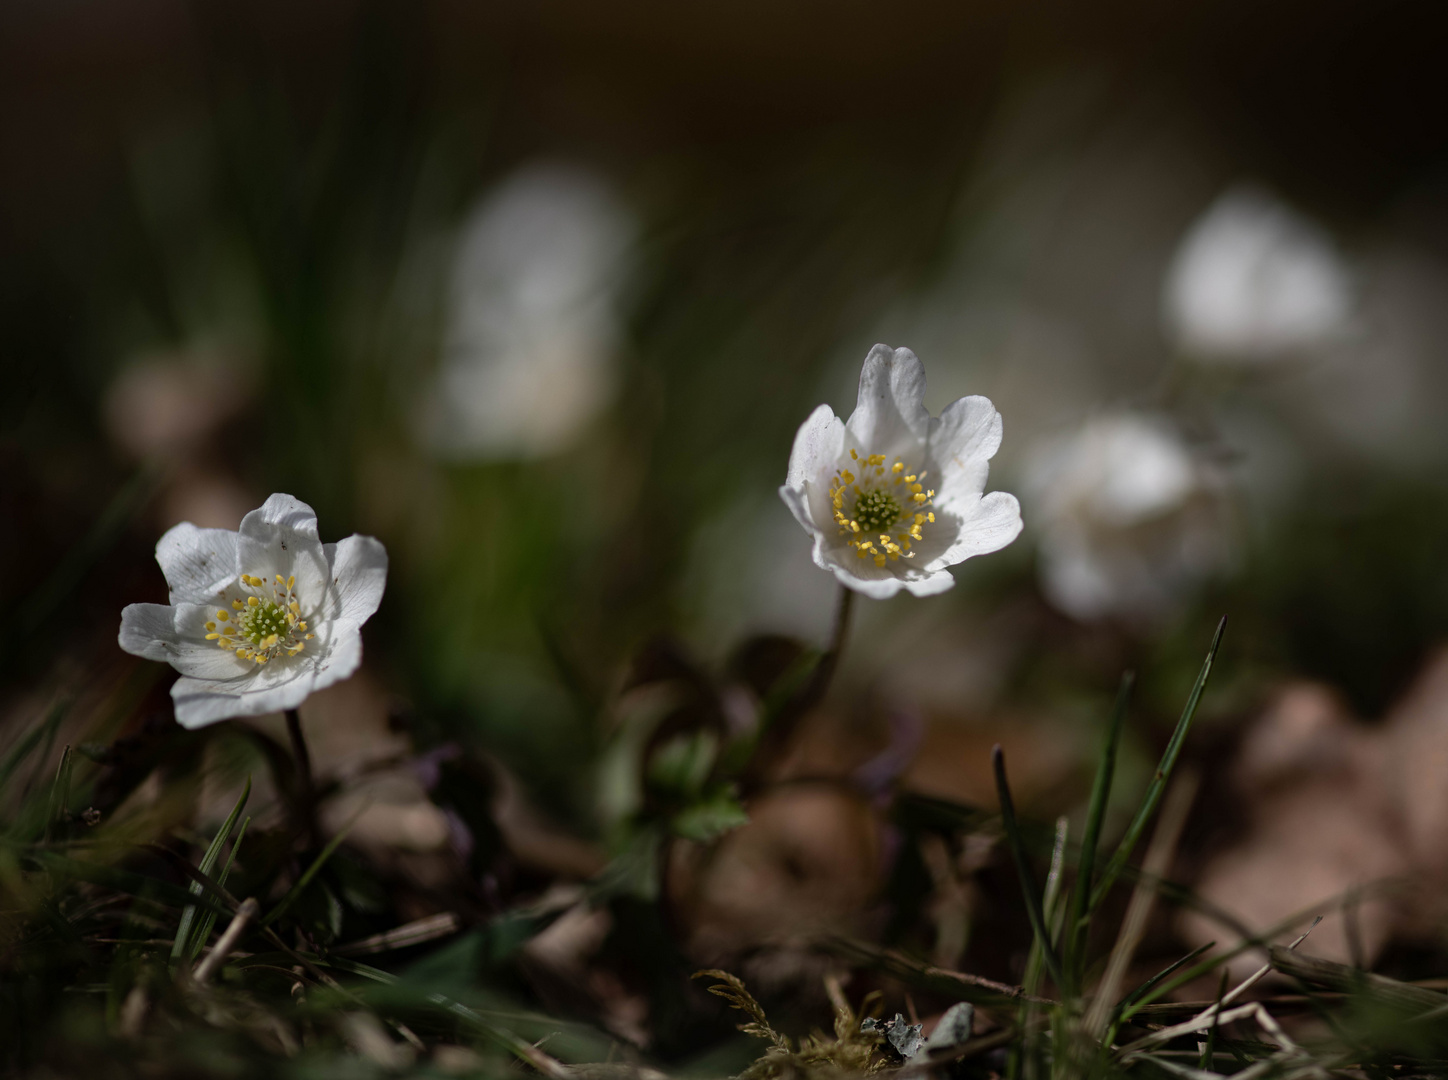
(265, 623)
(879, 506)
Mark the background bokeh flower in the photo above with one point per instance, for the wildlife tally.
(1130, 517)
(532, 322)
(1254, 280)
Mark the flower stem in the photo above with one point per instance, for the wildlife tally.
(305, 794)
(781, 729)
(825, 673)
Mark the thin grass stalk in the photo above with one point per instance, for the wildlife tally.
(1023, 867)
(184, 943)
(208, 920)
(311, 872)
(1074, 942)
(1133, 927)
(1023, 1060)
(1157, 787)
(1207, 967)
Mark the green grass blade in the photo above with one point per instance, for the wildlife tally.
(1074, 942)
(208, 920)
(148, 889)
(1158, 782)
(183, 945)
(27, 744)
(1145, 988)
(1023, 867)
(1209, 1048)
(306, 878)
(56, 807)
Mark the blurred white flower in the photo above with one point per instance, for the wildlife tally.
(532, 326)
(862, 488)
(259, 618)
(1130, 520)
(1253, 279)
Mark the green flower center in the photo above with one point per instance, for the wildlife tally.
(266, 624)
(262, 621)
(877, 509)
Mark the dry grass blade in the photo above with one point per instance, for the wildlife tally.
(413, 933)
(1213, 1013)
(1143, 897)
(214, 959)
(1350, 980)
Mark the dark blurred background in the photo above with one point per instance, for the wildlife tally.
(538, 294)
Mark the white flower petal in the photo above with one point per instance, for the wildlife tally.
(817, 448)
(962, 442)
(992, 524)
(359, 575)
(799, 507)
(148, 630)
(205, 701)
(344, 654)
(192, 654)
(931, 584)
(890, 417)
(280, 538)
(197, 562)
(876, 588)
(176, 636)
(200, 702)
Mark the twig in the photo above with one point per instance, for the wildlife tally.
(413, 933)
(1203, 1019)
(244, 915)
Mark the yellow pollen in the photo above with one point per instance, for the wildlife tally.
(212, 637)
(211, 626)
(875, 506)
(268, 623)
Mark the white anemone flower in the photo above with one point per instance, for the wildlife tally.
(893, 496)
(1254, 280)
(532, 318)
(258, 618)
(1131, 520)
